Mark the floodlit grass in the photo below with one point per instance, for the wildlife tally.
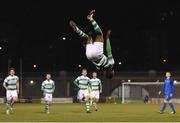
(76, 112)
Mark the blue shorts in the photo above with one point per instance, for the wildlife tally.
(167, 97)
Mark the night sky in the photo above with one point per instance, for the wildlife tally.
(145, 34)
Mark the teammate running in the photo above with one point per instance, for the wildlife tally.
(11, 84)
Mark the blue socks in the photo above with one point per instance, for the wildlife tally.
(163, 108)
(172, 107)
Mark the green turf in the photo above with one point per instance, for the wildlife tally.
(76, 112)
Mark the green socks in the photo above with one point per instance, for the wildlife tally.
(96, 27)
(81, 33)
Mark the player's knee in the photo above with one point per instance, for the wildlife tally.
(170, 101)
(97, 100)
(111, 61)
(165, 101)
(87, 98)
(15, 98)
(94, 99)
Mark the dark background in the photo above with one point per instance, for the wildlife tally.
(144, 33)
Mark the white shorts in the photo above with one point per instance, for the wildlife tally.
(94, 51)
(82, 93)
(48, 97)
(11, 93)
(95, 94)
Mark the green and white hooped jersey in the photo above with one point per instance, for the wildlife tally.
(11, 82)
(48, 86)
(102, 63)
(83, 82)
(95, 84)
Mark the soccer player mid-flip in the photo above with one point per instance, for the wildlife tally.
(168, 90)
(95, 50)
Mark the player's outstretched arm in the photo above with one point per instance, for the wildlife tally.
(108, 44)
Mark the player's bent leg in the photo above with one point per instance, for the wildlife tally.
(77, 30)
(48, 100)
(163, 107)
(14, 99)
(87, 104)
(8, 102)
(172, 107)
(8, 106)
(95, 100)
(94, 23)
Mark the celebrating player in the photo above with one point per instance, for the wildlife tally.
(95, 50)
(82, 82)
(168, 90)
(96, 89)
(48, 87)
(11, 84)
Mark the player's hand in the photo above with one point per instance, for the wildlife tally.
(171, 95)
(159, 92)
(17, 91)
(108, 33)
(6, 88)
(90, 16)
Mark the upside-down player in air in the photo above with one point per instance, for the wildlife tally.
(95, 50)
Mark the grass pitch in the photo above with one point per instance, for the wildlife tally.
(76, 112)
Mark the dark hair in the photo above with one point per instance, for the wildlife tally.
(84, 69)
(94, 72)
(11, 69)
(48, 74)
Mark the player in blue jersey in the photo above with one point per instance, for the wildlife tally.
(168, 90)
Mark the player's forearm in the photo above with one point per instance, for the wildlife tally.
(100, 87)
(162, 89)
(76, 83)
(42, 88)
(4, 85)
(17, 86)
(53, 89)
